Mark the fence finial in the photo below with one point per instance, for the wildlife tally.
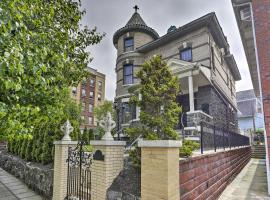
(67, 129)
(108, 124)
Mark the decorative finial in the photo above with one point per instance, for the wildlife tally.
(67, 129)
(108, 124)
(136, 8)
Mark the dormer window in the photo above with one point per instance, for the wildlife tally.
(129, 44)
(186, 54)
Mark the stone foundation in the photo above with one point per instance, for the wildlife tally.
(36, 176)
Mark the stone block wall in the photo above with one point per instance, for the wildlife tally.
(205, 177)
(36, 176)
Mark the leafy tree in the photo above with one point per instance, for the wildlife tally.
(42, 54)
(100, 112)
(159, 110)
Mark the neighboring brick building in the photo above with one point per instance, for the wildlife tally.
(90, 93)
(253, 19)
(198, 53)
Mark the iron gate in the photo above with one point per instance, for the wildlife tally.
(79, 173)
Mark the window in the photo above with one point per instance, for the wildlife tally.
(91, 94)
(128, 44)
(90, 108)
(83, 106)
(74, 91)
(129, 112)
(231, 87)
(99, 97)
(82, 119)
(83, 93)
(92, 82)
(186, 54)
(100, 85)
(83, 83)
(213, 58)
(90, 120)
(205, 108)
(128, 74)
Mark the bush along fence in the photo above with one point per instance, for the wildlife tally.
(213, 138)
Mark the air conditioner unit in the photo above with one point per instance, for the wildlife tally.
(245, 14)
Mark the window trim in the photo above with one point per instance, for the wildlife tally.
(90, 94)
(91, 79)
(124, 76)
(183, 50)
(125, 47)
(83, 93)
(92, 108)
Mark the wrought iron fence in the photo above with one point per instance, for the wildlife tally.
(213, 138)
(79, 173)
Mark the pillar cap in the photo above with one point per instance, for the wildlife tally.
(107, 143)
(66, 142)
(160, 143)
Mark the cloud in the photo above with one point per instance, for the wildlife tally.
(109, 16)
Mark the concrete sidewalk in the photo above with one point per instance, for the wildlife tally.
(250, 183)
(12, 188)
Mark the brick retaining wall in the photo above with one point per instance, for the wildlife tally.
(205, 177)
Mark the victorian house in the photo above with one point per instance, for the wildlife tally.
(198, 53)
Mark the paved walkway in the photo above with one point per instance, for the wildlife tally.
(12, 188)
(249, 184)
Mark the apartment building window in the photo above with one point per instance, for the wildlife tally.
(83, 92)
(91, 94)
(186, 54)
(83, 83)
(90, 120)
(92, 82)
(83, 106)
(99, 97)
(128, 74)
(100, 85)
(74, 91)
(90, 108)
(83, 119)
(128, 44)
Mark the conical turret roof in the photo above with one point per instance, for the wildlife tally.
(136, 19)
(135, 23)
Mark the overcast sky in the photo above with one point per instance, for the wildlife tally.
(108, 16)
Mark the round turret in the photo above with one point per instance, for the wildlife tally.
(133, 35)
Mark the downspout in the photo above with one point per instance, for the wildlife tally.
(260, 86)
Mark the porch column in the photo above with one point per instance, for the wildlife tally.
(191, 93)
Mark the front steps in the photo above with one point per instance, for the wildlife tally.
(258, 151)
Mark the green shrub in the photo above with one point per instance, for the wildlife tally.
(188, 147)
(135, 155)
(87, 148)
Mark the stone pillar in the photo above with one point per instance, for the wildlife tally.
(108, 160)
(191, 93)
(160, 169)
(60, 168)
